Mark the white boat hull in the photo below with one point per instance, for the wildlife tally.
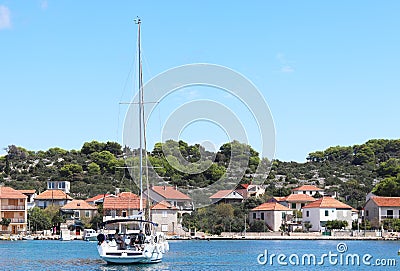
(151, 253)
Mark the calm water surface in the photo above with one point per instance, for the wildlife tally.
(204, 255)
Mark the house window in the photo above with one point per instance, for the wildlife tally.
(76, 214)
(61, 185)
(51, 185)
(262, 216)
(123, 213)
(254, 215)
(367, 212)
(164, 227)
(164, 213)
(307, 213)
(87, 214)
(304, 192)
(113, 213)
(389, 213)
(302, 205)
(326, 213)
(293, 205)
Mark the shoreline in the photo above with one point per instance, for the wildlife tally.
(250, 236)
(288, 238)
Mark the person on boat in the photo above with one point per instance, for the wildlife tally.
(141, 237)
(118, 239)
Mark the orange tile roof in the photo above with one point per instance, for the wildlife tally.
(169, 192)
(271, 206)
(327, 202)
(299, 198)
(10, 193)
(307, 188)
(100, 196)
(78, 205)
(163, 205)
(386, 201)
(123, 203)
(128, 195)
(53, 194)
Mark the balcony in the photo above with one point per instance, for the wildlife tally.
(12, 207)
(17, 220)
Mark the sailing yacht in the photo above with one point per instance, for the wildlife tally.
(142, 244)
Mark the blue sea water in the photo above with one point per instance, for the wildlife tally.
(209, 255)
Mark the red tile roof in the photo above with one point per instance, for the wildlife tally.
(271, 206)
(299, 198)
(163, 205)
(53, 194)
(122, 203)
(386, 201)
(328, 202)
(169, 192)
(78, 205)
(307, 188)
(97, 197)
(10, 193)
(128, 195)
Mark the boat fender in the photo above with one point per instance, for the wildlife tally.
(162, 249)
(166, 246)
(100, 238)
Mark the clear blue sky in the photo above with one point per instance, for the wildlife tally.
(329, 71)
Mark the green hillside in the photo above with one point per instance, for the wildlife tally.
(97, 168)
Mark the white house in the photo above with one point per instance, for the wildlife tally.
(65, 186)
(382, 207)
(272, 213)
(294, 201)
(226, 196)
(308, 190)
(52, 198)
(326, 209)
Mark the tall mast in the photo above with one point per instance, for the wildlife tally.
(141, 120)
